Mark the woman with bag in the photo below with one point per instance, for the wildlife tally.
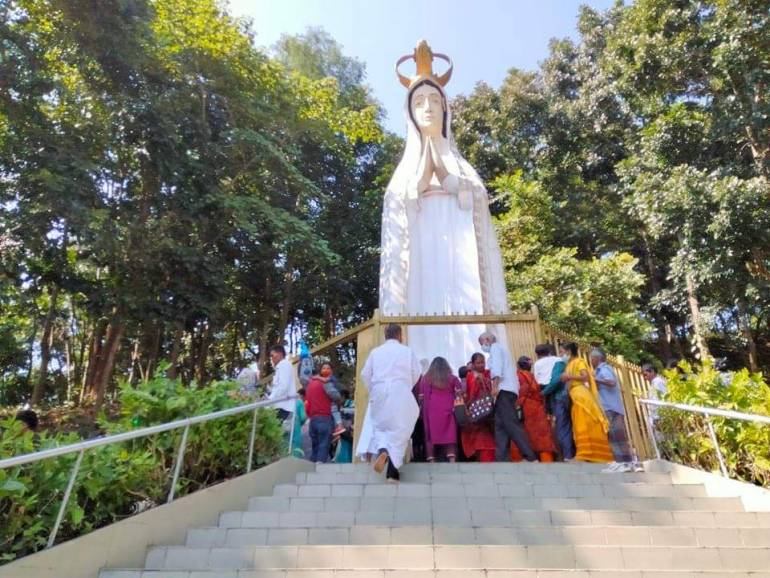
(478, 434)
(437, 391)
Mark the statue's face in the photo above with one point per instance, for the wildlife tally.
(428, 109)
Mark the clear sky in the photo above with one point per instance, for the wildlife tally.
(484, 37)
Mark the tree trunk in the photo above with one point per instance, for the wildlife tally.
(329, 330)
(234, 356)
(744, 323)
(694, 304)
(176, 348)
(664, 329)
(263, 348)
(69, 351)
(135, 362)
(46, 342)
(31, 346)
(288, 297)
(154, 349)
(95, 352)
(201, 358)
(104, 370)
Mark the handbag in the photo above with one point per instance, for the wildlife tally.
(481, 408)
(460, 411)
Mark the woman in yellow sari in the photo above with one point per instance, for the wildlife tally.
(589, 425)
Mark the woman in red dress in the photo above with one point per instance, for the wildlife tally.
(478, 438)
(535, 420)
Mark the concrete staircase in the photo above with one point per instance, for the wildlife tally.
(473, 521)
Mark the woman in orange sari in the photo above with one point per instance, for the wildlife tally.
(589, 425)
(533, 405)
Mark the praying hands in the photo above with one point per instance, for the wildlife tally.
(430, 163)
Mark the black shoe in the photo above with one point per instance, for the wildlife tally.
(393, 475)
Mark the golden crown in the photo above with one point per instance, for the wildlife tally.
(423, 57)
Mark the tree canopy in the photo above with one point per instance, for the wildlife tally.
(634, 161)
(170, 191)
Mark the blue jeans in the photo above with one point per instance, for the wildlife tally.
(321, 437)
(562, 411)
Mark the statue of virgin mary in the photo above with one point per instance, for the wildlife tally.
(440, 254)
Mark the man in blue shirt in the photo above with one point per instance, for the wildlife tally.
(612, 403)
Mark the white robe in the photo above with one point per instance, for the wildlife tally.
(390, 373)
(365, 447)
(444, 279)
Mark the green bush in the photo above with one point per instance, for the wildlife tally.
(744, 445)
(118, 480)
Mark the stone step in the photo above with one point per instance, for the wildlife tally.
(478, 477)
(476, 467)
(515, 518)
(487, 535)
(458, 557)
(466, 573)
(447, 507)
(490, 490)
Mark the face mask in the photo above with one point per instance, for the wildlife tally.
(565, 358)
(326, 372)
(486, 347)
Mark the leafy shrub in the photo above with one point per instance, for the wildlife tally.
(744, 445)
(120, 479)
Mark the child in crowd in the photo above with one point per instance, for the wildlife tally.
(327, 376)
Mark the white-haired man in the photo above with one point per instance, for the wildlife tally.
(505, 385)
(612, 403)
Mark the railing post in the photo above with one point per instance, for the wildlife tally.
(291, 431)
(366, 340)
(66, 498)
(635, 429)
(178, 465)
(251, 440)
(714, 441)
(650, 429)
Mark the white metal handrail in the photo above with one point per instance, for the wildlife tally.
(186, 423)
(708, 412)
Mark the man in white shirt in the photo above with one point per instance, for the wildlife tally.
(390, 373)
(658, 389)
(283, 383)
(505, 382)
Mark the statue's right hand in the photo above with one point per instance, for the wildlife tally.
(425, 167)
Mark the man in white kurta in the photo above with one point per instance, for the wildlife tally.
(283, 386)
(390, 373)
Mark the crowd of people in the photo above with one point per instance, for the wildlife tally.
(557, 406)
